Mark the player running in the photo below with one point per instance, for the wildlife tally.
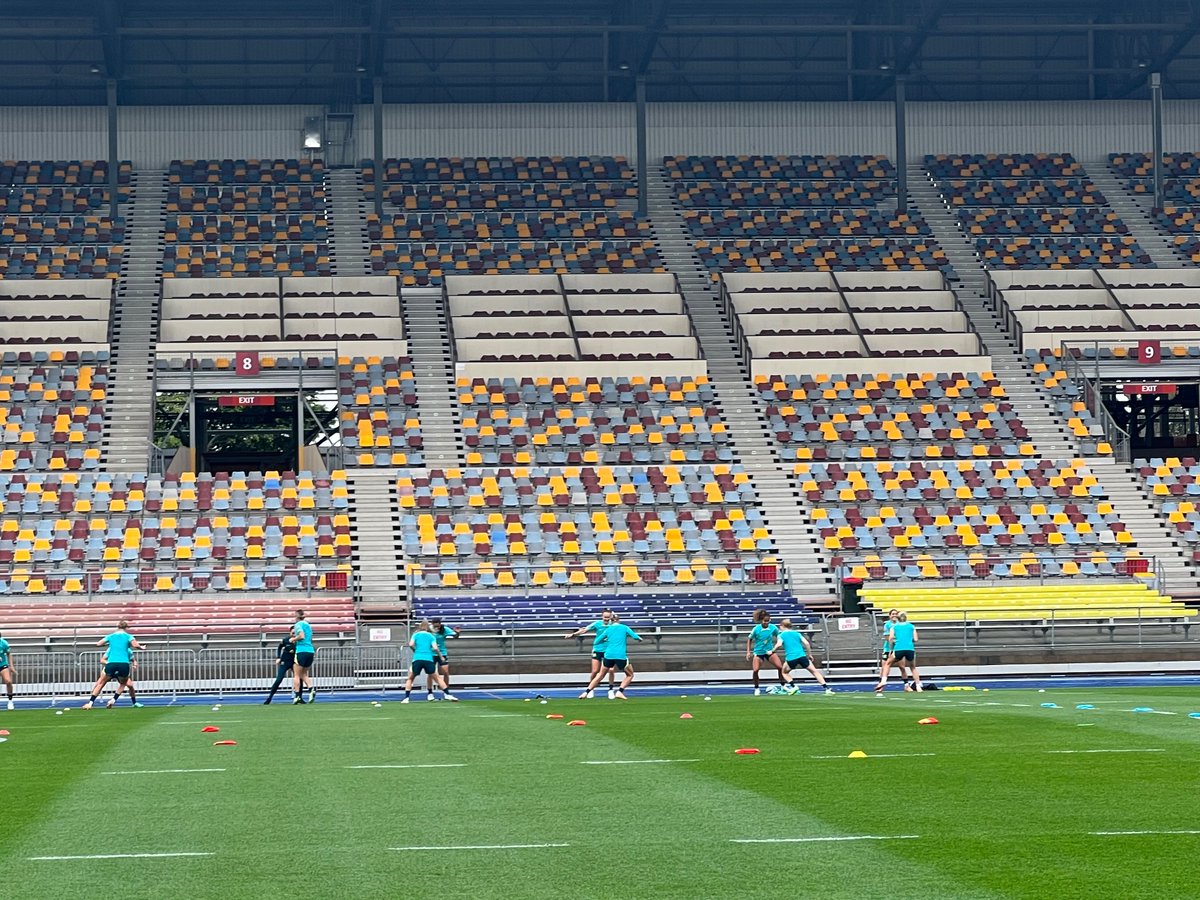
(285, 659)
(760, 648)
(597, 628)
(305, 653)
(442, 660)
(424, 650)
(133, 665)
(887, 660)
(796, 654)
(119, 659)
(7, 673)
(904, 650)
(616, 656)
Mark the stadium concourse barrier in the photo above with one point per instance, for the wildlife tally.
(60, 676)
(968, 568)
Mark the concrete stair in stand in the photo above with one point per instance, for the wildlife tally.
(426, 325)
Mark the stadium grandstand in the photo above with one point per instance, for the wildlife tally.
(508, 314)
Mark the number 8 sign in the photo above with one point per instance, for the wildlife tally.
(1149, 353)
(246, 362)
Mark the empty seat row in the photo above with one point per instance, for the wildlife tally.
(263, 228)
(782, 194)
(507, 197)
(79, 261)
(501, 169)
(1030, 222)
(229, 199)
(871, 254)
(1002, 165)
(427, 264)
(61, 172)
(744, 223)
(61, 230)
(41, 201)
(245, 171)
(500, 226)
(208, 261)
(789, 168)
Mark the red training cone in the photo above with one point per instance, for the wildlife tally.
(3, 732)
(209, 729)
(929, 720)
(577, 722)
(686, 716)
(746, 751)
(225, 744)
(554, 716)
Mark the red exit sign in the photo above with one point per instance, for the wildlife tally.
(247, 400)
(1130, 389)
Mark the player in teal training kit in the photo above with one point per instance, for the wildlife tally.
(616, 656)
(760, 648)
(424, 651)
(121, 645)
(599, 642)
(305, 654)
(7, 672)
(795, 653)
(887, 660)
(440, 632)
(904, 650)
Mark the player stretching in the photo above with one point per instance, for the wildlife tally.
(424, 649)
(795, 652)
(285, 660)
(120, 687)
(598, 628)
(760, 648)
(616, 656)
(7, 673)
(305, 653)
(442, 660)
(121, 645)
(904, 650)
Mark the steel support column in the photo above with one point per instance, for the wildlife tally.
(901, 149)
(642, 178)
(1156, 105)
(377, 136)
(114, 163)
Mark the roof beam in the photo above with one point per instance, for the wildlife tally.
(110, 38)
(1160, 62)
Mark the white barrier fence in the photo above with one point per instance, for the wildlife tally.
(60, 675)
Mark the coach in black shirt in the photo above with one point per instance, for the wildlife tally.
(285, 656)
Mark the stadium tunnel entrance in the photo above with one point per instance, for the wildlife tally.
(1162, 418)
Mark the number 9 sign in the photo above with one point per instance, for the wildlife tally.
(1149, 353)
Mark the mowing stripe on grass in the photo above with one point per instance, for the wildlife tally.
(1130, 750)
(482, 847)
(1121, 833)
(824, 840)
(115, 856)
(412, 766)
(162, 772)
(876, 756)
(632, 762)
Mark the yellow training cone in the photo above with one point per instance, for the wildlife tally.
(857, 754)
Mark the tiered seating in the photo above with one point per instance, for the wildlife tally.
(74, 532)
(1004, 603)
(562, 608)
(441, 234)
(51, 412)
(1043, 309)
(506, 226)
(587, 421)
(973, 518)
(783, 194)
(500, 528)
(1034, 211)
(883, 416)
(362, 313)
(61, 172)
(783, 168)
(871, 317)
(82, 261)
(875, 254)
(246, 218)
(378, 400)
(569, 318)
(54, 313)
(1175, 483)
(330, 616)
(765, 223)
(41, 201)
(1181, 175)
(61, 230)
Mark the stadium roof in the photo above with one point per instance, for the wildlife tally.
(61, 52)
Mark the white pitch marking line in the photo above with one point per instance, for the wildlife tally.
(499, 716)
(822, 840)
(632, 762)
(115, 856)
(877, 756)
(1133, 750)
(206, 722)
(162, 772)
(1116, 833)
(483, 847)
(413, 766)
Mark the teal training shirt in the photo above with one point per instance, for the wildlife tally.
(440, 638)
(424, 645)
(119, 643)
(305, 644)
(902, 636)
(3, 652)
(887, 634)
(601, 630)
(763, 637)
(793, 644)
(617, 637)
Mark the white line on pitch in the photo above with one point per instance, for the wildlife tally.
(1117, 833)
(877, 756)
(499, 716)
(823, 840)
(205, 722)
(483, 847)
(412, 766)
(116, 856)
(1135, 750)
(162, 772)
(632, 762)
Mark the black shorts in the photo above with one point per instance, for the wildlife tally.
(598, 655)
(423, 667)
(765, 657)
(119, 671)
(441, 661)
(802, 662)
(904, 655)
(305, 660)
(615, 663)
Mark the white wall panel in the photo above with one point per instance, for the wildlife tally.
(152, 136)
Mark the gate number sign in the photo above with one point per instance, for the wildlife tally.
(1149, 353)
(246, 362)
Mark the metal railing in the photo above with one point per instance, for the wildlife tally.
(959, 569)
(123, 580)
(1089, 385)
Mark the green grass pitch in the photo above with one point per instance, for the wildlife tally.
(997, 805)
